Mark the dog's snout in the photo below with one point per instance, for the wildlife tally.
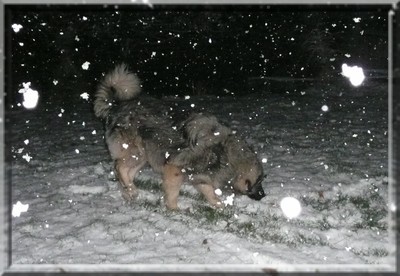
(256, 192)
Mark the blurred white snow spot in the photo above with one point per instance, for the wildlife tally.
(218, 192)
(77, 151)
(85, 65)
(324, 108)
(27, 157)
(16, 27)
(55, 82)
(216, 133)
(354, 73)
(21, 44)
(26, 142)
(31, 97)
(357, 19)
(85, 96)
(94, 132)
(229, 200)
(125, 146)
(187, 97)
(19, 208)
(84, 18)
(264, 160)
(291, 207)
(166, 154)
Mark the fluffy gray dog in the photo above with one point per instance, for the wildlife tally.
(139, 133)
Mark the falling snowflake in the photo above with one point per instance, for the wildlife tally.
(85, 96)
(16, 27)
(229, 200)
(27, 157)
(19, 208)
(31, 97)
(291, 207)
(85, 66)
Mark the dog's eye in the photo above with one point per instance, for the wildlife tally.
(213, 129)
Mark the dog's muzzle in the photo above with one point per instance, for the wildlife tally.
(256, 192)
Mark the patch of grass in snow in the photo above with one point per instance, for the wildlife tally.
(311, 240)
(148, 184)
(211, 215)
(278, 237)
(378, 252)
(151, 205)
(371, 215)
(247, 229)
(324, 224)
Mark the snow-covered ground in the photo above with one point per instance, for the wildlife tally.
(327, 147)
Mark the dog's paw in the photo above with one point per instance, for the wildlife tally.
(218, 205)
(172, 206)
(129, 194)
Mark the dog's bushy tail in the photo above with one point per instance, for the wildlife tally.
(118, 85)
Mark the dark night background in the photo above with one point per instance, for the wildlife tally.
(180, 50)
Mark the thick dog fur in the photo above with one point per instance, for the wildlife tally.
(137, 133)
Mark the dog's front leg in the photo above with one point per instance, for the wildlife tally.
(172, 181)
(208, 191)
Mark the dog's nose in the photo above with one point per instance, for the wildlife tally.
(256, 192)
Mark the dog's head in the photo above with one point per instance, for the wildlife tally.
(246, 167)
(248, 184)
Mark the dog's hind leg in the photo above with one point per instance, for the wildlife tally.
(172, 181)
(127, 170)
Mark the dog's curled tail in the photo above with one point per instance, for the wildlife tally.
(118, 85)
